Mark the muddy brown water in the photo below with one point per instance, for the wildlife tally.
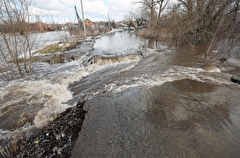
(183, 118)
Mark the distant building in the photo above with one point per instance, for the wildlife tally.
(66, 26)
(89, 24)
(39, 26)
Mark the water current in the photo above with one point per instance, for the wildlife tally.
(185, 94)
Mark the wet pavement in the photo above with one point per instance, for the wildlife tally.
(183, 118)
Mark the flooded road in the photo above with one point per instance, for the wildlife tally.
(171, 103)
(141, 101)
(172, 120)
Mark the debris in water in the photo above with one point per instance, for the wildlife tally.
(235, 79)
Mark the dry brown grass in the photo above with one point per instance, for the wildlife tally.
(163, 34)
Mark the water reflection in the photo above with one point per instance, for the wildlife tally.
(185, 104)
(197, 116)
(117, 40)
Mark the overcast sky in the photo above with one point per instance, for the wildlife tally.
(61, 11)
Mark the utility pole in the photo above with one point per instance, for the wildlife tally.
(83, 20)
(79, 19)
(109, 25)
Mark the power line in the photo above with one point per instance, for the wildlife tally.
(64, 4)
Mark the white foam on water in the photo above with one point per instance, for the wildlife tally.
(151, 80)
(125, 65)
(74, 76)
(80, 70)
(60, 94)
(33, 92)
(53, 92)
(55, 105)
(48, 96)
(212, 69)
(50, 91)
(172, 74)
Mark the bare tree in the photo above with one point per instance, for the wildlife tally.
(204, 21)
(130, 18)
(211, 22)
(149, 7)
(154, 10)
(16, 45)
(162, 5)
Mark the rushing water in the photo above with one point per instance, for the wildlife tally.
(39, 97)
(118, 62)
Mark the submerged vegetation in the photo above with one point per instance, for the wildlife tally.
(14, 19)
(52, 48)
(193, 22)
(57, 47)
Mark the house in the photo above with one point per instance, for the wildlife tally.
(89, 24)
(39, 26)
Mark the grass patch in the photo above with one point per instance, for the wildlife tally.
(52, 48)
(49, 49)
(56, 47)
